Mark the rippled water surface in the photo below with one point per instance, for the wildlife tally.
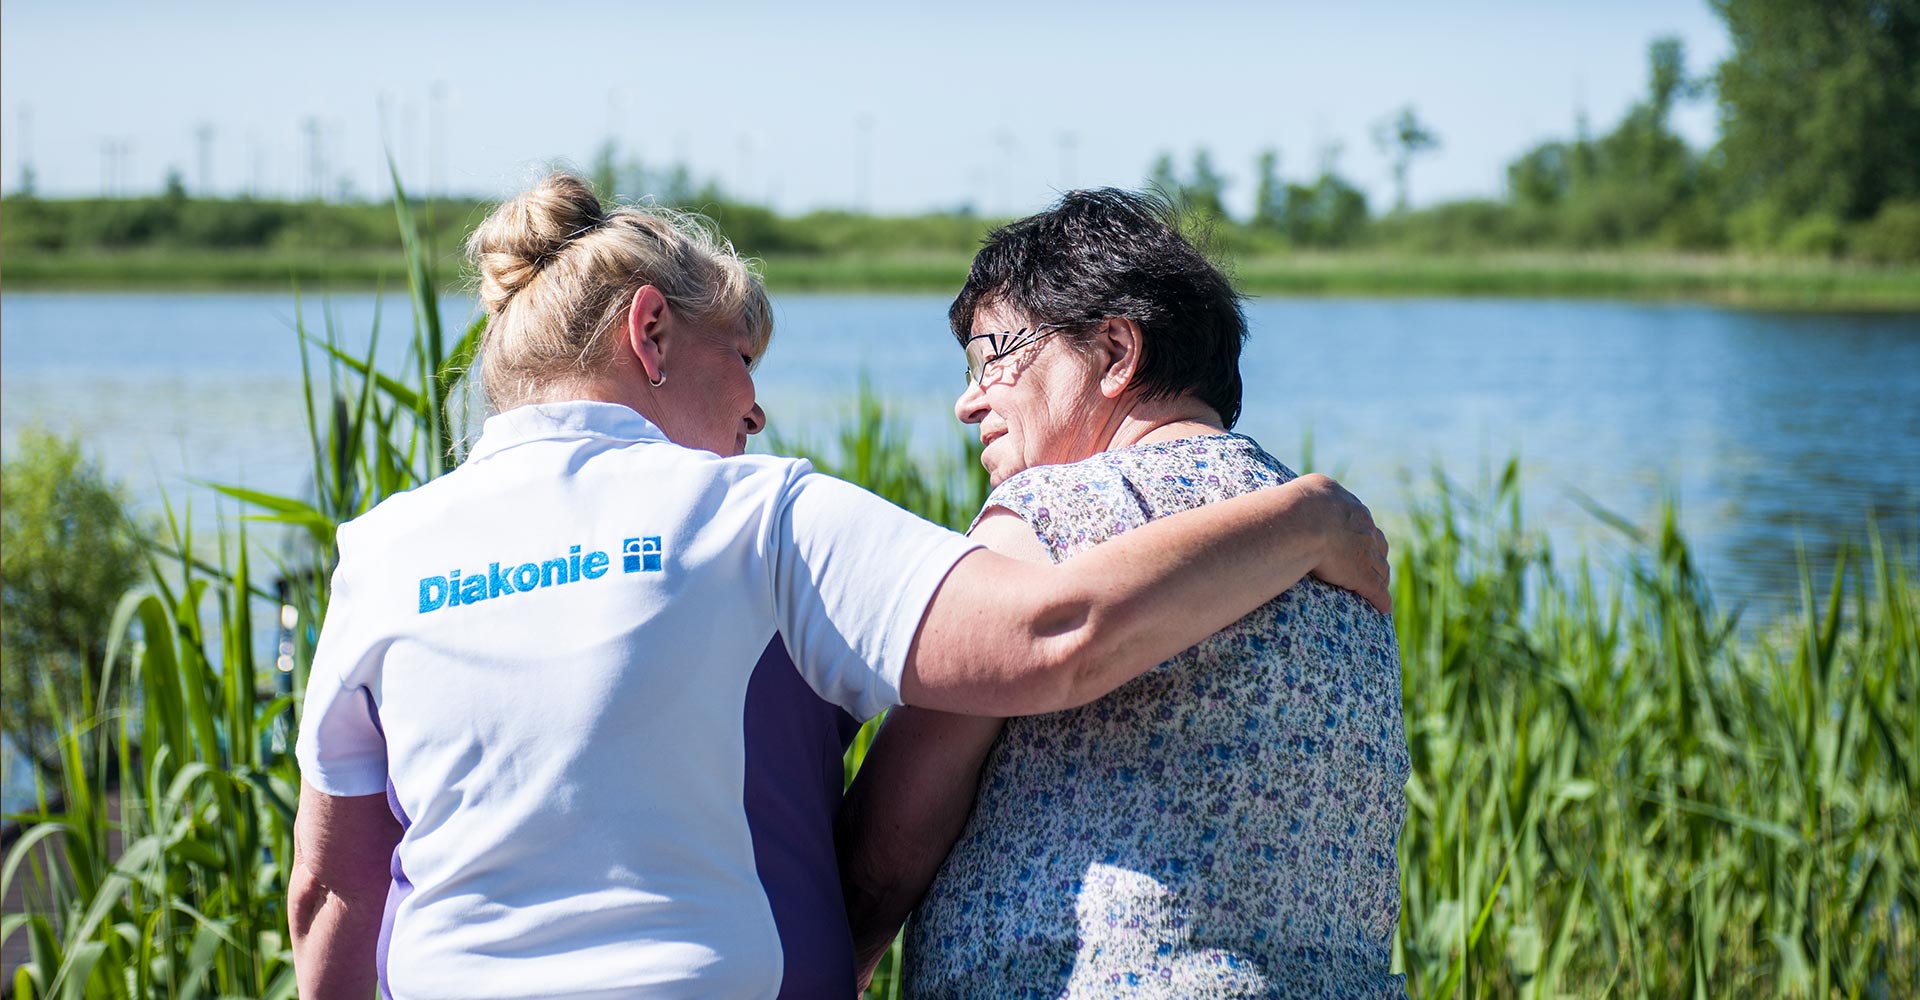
(1777, 432)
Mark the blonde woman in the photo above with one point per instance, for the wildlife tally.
(574, 723)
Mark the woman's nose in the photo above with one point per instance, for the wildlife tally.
(756, 419)
(971, 407)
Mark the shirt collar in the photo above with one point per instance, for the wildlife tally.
(571, 419)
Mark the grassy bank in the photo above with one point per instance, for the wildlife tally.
(1737, 281)
(1746, 282)
(199, 270)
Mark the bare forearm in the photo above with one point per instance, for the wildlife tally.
(1161, 588)
(335, 939)
(1001, 638)
(337, 895)
(906, 808)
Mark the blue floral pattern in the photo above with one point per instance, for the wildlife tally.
(1222, 826)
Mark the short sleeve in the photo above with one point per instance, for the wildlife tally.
(341, 750)
(1071, 508)
(852, 578)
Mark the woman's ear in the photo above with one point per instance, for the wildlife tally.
(1120, 344)
(646, 331)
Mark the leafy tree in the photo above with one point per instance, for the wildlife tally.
(1638, 183)
(1543, 176)
(672, 185)
(1644, 145)
(1199, 192)
(1820, 105)
(606, 170)
(1269, 193)
(1161, 176)
(1330, 212)
(1400, 138)
(1204, 190)
(67, 554)
(1641, 175)
(630, 179)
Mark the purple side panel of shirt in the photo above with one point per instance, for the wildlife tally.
(795, 741)
(401, 886)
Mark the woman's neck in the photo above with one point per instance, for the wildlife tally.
(1151, 421)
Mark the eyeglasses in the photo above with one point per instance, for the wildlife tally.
(994, 346)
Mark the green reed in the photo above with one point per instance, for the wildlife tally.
(170, 879)
(1615, 792)
(1617, 789)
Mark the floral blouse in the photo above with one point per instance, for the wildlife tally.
(1222, 826)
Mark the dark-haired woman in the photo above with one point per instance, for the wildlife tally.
(575, 720)
(1222, 826)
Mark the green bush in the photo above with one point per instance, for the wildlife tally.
(1693, 224)
(1816, 235)
(67, 556)
(1890, 237)
(1757, 227)
(1454, 227)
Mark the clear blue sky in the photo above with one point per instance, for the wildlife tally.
(899, 106)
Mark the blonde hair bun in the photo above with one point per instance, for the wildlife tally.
(558, 272)
(524, 235)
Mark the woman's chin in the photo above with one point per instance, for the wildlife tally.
(1000, 472)
(997, 470)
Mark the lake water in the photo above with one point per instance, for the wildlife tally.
(1775, 430)
(1778, 433)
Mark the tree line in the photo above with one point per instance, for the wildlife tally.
(1818, 155)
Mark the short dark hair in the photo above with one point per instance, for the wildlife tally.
(1108, 252)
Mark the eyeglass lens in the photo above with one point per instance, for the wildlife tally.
(986, 348)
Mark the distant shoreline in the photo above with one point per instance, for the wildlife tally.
(1722, 280)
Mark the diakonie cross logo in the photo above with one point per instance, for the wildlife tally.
(637, 555)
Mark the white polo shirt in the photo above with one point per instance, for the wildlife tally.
(605, 682)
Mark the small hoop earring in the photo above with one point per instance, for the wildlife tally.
(658, 382)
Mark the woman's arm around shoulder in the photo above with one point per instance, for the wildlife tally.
(1002, 637)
